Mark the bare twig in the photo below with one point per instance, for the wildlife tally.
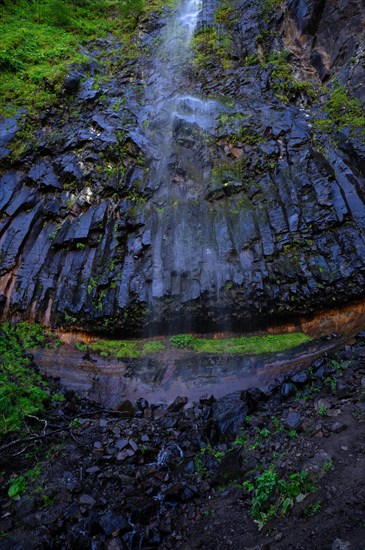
(34, 438)
(39, 420)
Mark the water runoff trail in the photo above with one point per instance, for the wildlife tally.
(186, 260)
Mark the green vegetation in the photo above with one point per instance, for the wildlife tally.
(283, 83)
(18, 484)
(225, 14)
(322, 411)
(269, 7)
(312, 509)
(17, 487)
(272, 496)
(205, 456)
(240, 345)
(126, 348)
(118, 348)
(22, 391)
(208, 43)
(152, 347)
(40, 39)
(342, 110)
(183, 341)
(246, 344)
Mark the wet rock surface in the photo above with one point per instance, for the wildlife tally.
(174, 477)
(114, 382)
(264, 218)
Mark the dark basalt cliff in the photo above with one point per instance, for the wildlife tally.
(265, 216)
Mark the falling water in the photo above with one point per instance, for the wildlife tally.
(177, 127)
(162, 90)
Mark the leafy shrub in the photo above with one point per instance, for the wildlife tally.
(30, 335)
(18, 484)
(22, 391)
(273, 496)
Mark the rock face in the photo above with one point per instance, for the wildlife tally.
(213, 202)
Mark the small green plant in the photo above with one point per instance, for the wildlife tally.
(312, 509)
(182, 340)
(200, 460)
(80, 346)
(252, 59)
(75, 424)
(143, 449)
(262, 489)
(342, 110)
(269, 7)
(58, 398)
(273, 496)
(283, 83)
(18, 484)
(322, 410)
(264, 433)
(47, 501)
(327, 466)
(331, 382)
(208, 43)
(241, 440)
(80, 246)
(17, 487)
(211, 512)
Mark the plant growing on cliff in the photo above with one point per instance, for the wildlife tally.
(283, 83)
(226, 14)
(208, 43)
(269, 7)
(342, 110)
(41, 39)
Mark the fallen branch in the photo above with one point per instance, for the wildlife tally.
(33, 438)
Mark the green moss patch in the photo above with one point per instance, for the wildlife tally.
(249, 344)
(239, 345)
(126, 348)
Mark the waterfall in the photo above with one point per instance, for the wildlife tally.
(176, 125)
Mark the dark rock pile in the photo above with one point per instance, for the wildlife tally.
(151, 476)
